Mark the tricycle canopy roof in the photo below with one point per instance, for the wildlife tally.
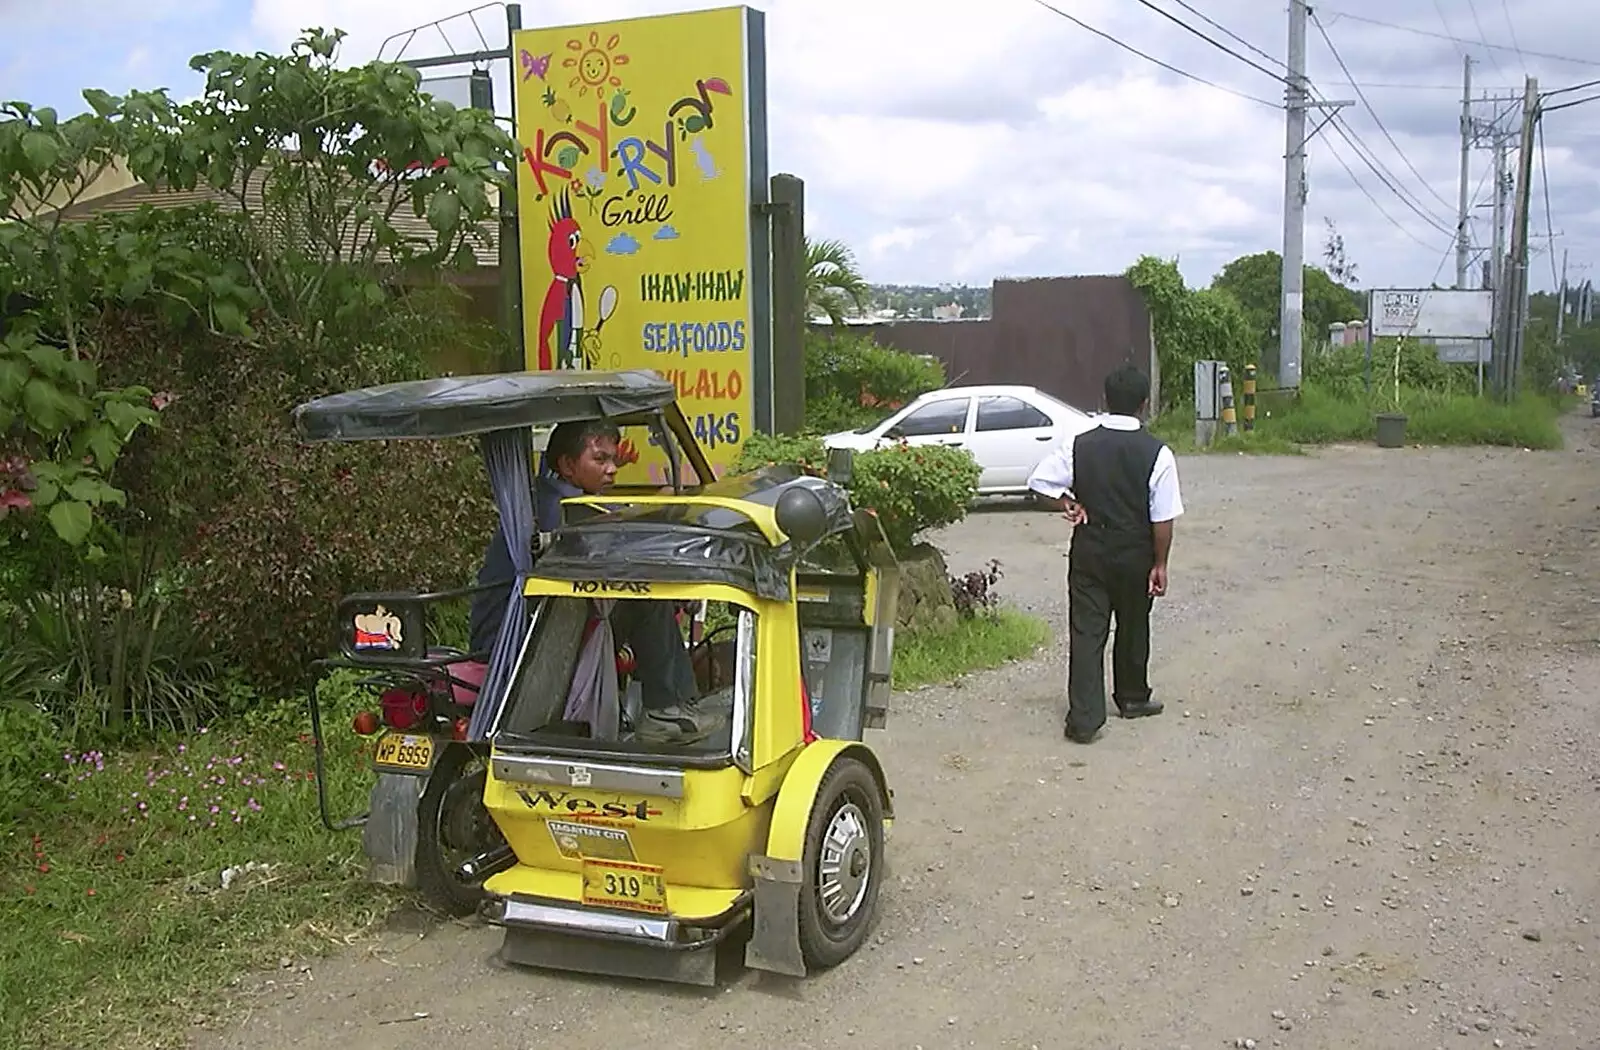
(458, 406)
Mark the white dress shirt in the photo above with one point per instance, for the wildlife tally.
(1053, 476)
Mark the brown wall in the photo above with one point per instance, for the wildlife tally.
(1060, 334)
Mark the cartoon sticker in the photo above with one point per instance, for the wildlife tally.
(819, 645)
(575, 841)
(378, 629)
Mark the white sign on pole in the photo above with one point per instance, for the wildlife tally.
(1445, 313)
(1463, 351)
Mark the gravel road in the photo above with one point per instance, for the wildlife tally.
(1368, 818)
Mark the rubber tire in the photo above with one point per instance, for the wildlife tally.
(821, 944)
(435, 880)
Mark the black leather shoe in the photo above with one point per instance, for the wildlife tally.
(1141, 710)
(1080, 738)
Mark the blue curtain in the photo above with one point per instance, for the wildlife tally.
(509, 457)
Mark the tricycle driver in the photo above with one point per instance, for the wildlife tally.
(581, 459)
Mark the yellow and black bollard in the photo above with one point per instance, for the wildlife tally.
(1225, 382)
(1249, 397)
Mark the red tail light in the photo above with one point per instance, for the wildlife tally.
(403, 708)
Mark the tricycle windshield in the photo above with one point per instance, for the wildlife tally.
(635, 677)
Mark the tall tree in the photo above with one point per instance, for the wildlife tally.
(835, 287)
(1340, 268)
(1255, 282)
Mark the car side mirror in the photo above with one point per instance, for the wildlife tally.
(894, 433)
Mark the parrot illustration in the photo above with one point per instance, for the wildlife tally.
(561, 317)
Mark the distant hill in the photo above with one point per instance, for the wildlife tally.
(920, 301)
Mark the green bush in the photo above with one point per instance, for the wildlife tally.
(104, 655)
(301, 525)
(273, 531)
(910, 488)
(852, 381)
(1190, 325)
(30, 747)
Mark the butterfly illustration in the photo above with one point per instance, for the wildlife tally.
(534, 66)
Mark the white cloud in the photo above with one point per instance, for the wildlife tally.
(950, 141)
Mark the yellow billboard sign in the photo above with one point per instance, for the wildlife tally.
(643, 146)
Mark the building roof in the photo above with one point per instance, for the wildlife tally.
(131, 195)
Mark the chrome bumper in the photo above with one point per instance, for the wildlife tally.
(562, 936)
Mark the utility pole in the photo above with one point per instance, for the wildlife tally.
(1297, 100)
(1515, 310)
(1463, 241)
(1294, 202)
(1561, 299)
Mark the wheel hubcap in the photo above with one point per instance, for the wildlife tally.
(844, 869)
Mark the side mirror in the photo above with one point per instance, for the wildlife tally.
(801, 515)
(841, 466)
(894, 433)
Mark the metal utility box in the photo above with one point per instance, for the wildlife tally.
(1210, 377)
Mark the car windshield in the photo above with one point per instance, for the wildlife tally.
(1052, 399)
(675, 680)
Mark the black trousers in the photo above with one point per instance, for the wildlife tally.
(1101, 586)
(661, 663)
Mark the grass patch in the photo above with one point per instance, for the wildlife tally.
(117, 929)
(987, 640)
(1320, 416)
(1179, 435)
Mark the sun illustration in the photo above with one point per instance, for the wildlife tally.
(593, 64)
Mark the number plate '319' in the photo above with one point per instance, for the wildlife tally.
(619, 884)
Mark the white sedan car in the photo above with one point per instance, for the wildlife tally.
(1008, 430)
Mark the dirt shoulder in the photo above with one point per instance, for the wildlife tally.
(1367, 819)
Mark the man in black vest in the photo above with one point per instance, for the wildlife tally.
(1118, 485)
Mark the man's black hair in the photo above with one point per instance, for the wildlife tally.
(1127, 389)
(568, 440)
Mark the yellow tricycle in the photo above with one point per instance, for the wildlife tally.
(635, 853)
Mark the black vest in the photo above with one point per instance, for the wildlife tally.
(1111, 478)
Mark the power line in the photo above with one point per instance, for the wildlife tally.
(1482, 36)
(1459, 40)
(1574, 87)
(1549, 220)
(1224, 48)
(1080, 23)
(1362, 95)
(1228, 32)
(1385, 176)
(1569, 105)
(1515, 45)
(1368, 194)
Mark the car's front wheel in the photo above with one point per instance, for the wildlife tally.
(843, 866)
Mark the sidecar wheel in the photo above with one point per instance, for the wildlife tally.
(843, 865)
(452, 826)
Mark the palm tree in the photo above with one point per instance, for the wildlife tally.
(834, 285)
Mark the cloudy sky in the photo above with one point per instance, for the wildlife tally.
(957, 142)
